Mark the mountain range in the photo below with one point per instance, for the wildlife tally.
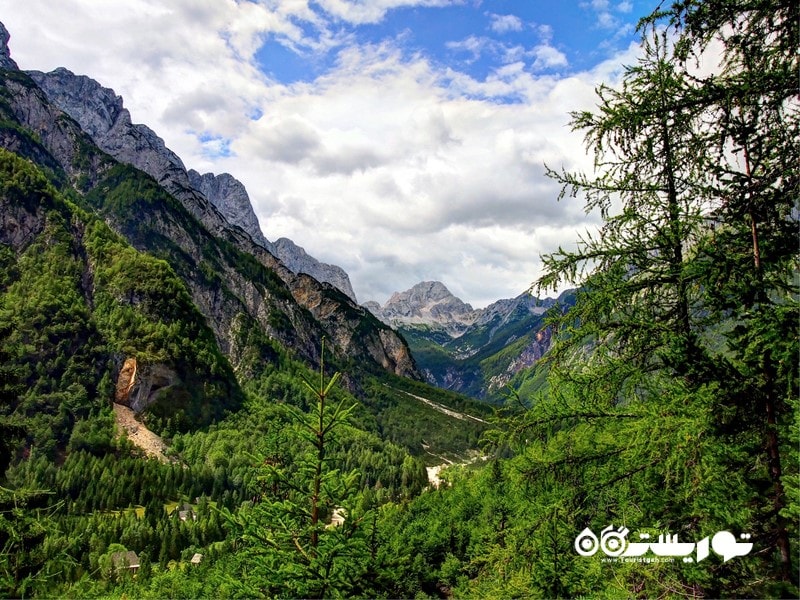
(100, 113)
(477, 352)
(250, 304)
(96, 171)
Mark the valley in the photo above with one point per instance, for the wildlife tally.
(190, 410)
(479, 353)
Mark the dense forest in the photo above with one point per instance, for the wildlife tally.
(668, 404)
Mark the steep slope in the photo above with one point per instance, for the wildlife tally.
(100, 113)
(236, 283)
(78, 305)
(297, 260)
(230, 197)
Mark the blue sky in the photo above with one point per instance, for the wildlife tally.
(404, 140)
(471, 37)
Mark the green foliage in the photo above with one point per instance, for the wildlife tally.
(669, 402)
(649, 419)
(406, 419)
(287, 548)
(23, 527)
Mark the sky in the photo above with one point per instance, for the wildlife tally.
(403, 140)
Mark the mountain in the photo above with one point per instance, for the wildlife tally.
(428, 303)
(99, 111)
(475, 352)
(230, 197)
(122, 280)
(218, 259)
(296, 259)
(237, 284)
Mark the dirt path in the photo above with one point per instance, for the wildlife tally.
(141, 436)
(443, 409)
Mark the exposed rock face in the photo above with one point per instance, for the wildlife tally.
(344, 320)
(229, 195)
(239, 292)
(217, 200)
(427, 303)
(6, 62)
(530, 355)
(100, 113)
(296, 259)
(139, 386)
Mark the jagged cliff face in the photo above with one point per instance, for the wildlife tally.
(230, 197)
(234, 281)
(99, 112)
(219, 201)
(296, 259)
(353, 326)
(6, 62)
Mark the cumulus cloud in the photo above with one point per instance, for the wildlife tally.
(505, 23)
(548, 57)
(392, 166)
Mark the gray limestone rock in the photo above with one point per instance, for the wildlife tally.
(428, 303)
(230, 197)
(6, 62)
(298, 261)
(217, 200)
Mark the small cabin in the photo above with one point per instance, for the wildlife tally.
(186, 512)
(125, 560)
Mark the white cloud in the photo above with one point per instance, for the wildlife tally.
(392, 167)
(473, 45)
(547, 57)
(360, 12)
(505, 23)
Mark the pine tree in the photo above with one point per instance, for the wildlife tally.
(673, 377)
(289, 549)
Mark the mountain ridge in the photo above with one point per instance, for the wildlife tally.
(233, 280)
(100, 112)
(473, 351)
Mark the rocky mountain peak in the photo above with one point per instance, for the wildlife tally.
(6, 62)
(97, 109)
(298, 260)
(427, 303)
(216, 200)
(100, 113)
(230, 197)
(191, 233)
